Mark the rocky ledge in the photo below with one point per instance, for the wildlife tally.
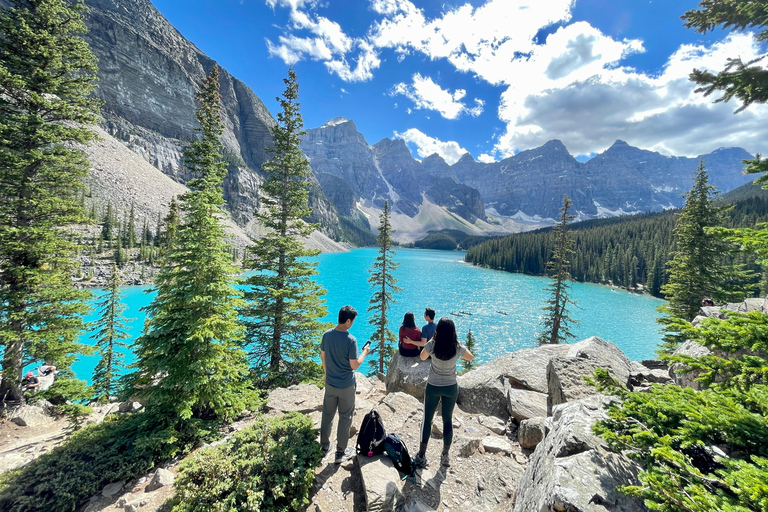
(523, 439)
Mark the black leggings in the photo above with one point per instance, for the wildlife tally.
(433, 395)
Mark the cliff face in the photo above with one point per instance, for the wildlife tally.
(148, 73)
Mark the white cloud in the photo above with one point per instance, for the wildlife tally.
(573, 86)
(425, 145)
(426, 94)
(486, 158)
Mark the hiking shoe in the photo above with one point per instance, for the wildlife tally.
(345, 455)
(326, 448)
(445, 460)
(419, 462)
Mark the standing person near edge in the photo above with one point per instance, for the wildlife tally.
(408, 333)
(338, 352)
(442, 386)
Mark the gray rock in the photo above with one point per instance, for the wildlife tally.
(465, 445)
(496, 444)
(493, 424)
(162, 478)
(34, 415)
(496, 487)
(135, 505)
(129, 406)
(407, 375)
(303, 398)
(110, 490)
(523, 404)
(531, 432)
(364, 385)
(486, 388)
(396, 409)
(678, 373)
(566, 374)
(382, 484)
(572, 469)
(437, 426)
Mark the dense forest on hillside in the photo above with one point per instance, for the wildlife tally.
(624, 251)
(447, 240)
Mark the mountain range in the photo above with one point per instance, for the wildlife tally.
(148, 73)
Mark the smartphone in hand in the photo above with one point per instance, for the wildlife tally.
(367, 344)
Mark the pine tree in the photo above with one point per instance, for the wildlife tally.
(470, 344)
(46, 78)
(696, 268)
(383, 282)
(110, 332)
(284, 302)
(557, 320)
(191, 335)
(130, 232)
(108, 224)
(171, 224)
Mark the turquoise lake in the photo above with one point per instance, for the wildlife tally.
(442, 280)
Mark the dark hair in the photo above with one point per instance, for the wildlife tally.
(446, 341)
(409, 320)
(430, 313)
(347, 313)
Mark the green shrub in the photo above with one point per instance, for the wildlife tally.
(268, 467)
(118, 449)
(701, 450)
(65, 389)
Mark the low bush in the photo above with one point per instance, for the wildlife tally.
(268, 467)
(118, 449)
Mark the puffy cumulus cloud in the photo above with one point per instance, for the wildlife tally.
(426, 145)
(426, 94)
(662, 113)
(327, 43)
(481, 40)
(486, 158)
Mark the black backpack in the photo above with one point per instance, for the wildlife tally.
(370, 440)
(398, 452)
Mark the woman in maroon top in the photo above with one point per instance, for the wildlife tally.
(410, 331)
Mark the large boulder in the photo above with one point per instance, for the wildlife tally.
(486, 389)
(565, 375)
(679, 372)
(523, 404)
(38, 414)
(573, 470)
(407, 375)
(382, 484)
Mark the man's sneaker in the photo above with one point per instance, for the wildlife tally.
(345, 455)
(445, 460)
(419, 462)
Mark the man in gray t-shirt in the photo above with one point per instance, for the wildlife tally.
(338, 352)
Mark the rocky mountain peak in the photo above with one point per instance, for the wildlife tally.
(336, 121)
(466, 158)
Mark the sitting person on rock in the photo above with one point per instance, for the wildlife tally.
(410, 337)
(30, 382)
(442, 386)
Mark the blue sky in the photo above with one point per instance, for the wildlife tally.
(488, 77)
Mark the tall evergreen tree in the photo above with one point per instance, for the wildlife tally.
(696, 268)
(470, 344)
(284, 302)
(191, 335)
(110, 331)
(171, 224)
(557, 320)
(384, 285)
(47, 74)
(108, 223)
